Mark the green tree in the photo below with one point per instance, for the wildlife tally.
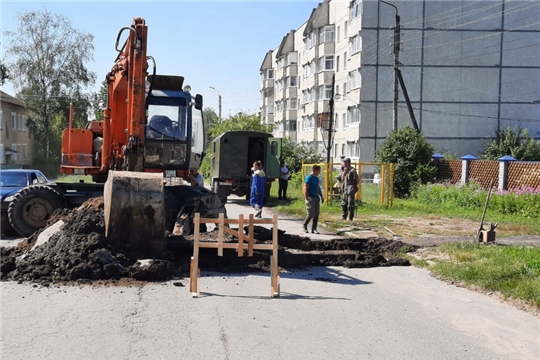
(240, 122)
(293, 154)
(210, 120)
(98, 100)
(411, 154)
(514, 142)
(4, 73)
(47, 64)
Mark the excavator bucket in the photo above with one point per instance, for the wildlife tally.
(134, 211)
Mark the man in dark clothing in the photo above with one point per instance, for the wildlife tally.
(350, 181)
(312, 194)
(283, 180)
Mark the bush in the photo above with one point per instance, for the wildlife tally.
(411, 154)
(514, 142)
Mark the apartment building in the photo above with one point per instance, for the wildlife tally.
(470, 68)
(15, 140)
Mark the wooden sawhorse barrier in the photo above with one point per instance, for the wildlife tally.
(245, 242)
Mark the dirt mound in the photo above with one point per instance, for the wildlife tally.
(79, 252)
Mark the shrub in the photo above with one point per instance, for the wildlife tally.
(411, 154)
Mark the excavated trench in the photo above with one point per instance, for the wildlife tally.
(79, 252)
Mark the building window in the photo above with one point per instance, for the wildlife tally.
(344, 120)
(327, 34)
(327, 62)
(344, 60)
(337, 89)
(290, 125)
(14, 120)
(337, 63)
(24, 120)
(345, 35)
(344, 88)
(270, 109)
(291, 104)
(292, 81)
(269, 74)
(338, 31)
(355, 9)
(354, 80)
(1, 120)
(355, 44)
(292, 58)
(353, 115)
(310, 41)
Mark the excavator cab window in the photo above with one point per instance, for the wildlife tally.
(167, 122)
(167, 138)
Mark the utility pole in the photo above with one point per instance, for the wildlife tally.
(331, 120)
(395, 50)
(219, 102)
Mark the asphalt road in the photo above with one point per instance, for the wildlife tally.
(323, 313)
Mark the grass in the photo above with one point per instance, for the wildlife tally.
(512, 271)
(74, 178)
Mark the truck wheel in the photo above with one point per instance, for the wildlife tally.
(32, 207)
(216, 189)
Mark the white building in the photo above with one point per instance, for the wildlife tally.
(469, 67)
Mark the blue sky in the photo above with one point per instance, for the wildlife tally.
(211, 43)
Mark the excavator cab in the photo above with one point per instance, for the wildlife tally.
(174, 136)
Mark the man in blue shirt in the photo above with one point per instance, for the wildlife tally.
(312, 195)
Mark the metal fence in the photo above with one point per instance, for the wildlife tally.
(376, 182)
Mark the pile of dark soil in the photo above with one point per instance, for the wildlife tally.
(80, 252)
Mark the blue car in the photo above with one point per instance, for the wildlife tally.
(11, 182)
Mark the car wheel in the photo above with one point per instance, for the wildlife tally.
(32, 207)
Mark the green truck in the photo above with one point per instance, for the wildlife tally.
(233, 155)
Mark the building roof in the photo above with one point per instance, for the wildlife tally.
(5, 97)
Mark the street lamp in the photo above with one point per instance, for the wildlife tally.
(219, 103)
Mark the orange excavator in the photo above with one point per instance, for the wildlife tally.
(151, 134)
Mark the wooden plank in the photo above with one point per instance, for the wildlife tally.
(241, 235)
(251, 241)
(228, 230)
(234, 221)
(196, 238)
(220, 235)
(274, 259)
(215, 245)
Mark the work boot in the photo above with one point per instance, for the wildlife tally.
(305, 224)
(345, 212)
(314, 226)
(351, 213)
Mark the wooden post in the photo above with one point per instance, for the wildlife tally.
(251, 241)
(274, 259)
(220, 235)
(241, 235)
(194, 275)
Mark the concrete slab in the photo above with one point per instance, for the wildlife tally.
(47, 233)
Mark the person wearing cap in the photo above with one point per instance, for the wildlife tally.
(350, 181)
(258, 184)
(312, 195)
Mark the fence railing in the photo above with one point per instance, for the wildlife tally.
(376, 181)
(507, 173)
